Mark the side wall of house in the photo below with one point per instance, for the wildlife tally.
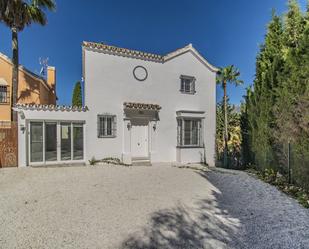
(6, 74)
(109, 82)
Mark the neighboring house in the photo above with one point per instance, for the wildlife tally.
(32, 89)
(141, 107)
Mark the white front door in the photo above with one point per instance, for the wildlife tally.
(139, 141)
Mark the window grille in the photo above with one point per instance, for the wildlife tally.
(189, 132)
(106, 126)
(4, 94)
(187, 84)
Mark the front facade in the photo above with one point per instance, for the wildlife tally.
(149, 107)
(140, 107)
(32, 89)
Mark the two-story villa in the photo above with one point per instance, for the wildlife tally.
(141, 108)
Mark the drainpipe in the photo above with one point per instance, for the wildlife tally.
(83, 91)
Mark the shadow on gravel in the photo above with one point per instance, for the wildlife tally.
(268, 217)
(242, 213)
(176, 228)
(203, 225)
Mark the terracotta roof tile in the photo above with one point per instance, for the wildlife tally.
(107, 49)
(141, 106)
(38, 107)
(123, 51)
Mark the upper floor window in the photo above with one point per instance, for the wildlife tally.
(187, 84)
(106, 125)
(4, 94)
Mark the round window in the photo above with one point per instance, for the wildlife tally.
(140, 73)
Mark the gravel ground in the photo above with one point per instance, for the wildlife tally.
(145, 207)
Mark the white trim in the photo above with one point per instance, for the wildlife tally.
(190, 114)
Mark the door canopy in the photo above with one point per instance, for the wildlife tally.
(134, 110)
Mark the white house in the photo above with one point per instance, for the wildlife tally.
(141, 107)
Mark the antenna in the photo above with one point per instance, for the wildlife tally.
(44, 64)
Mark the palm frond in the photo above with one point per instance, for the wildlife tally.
(19, 14)
(229, 74)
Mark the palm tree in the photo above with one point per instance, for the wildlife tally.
(17, 14)
(229, 74)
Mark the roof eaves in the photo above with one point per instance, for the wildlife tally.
(186, 49)
(113, 50)
(107, 49)
(42, 107)
(27, 71)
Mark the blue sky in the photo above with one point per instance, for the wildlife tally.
(224, 31)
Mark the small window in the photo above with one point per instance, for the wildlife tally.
(4, 94)
(106, 126)
(187, 84)
(189, 132)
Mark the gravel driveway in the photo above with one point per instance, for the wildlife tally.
(145, 207)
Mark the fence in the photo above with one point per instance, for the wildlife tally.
(290, 159)
(8, 144)
(298, 164)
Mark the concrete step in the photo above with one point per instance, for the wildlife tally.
(141, 163)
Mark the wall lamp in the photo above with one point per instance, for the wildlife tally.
(22, 128)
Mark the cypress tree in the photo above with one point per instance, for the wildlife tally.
(293, 77)
(260, 112)
(292, 109)
(294, 25)
(77, 95)
(277, 108)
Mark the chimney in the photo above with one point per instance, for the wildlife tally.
(51, 77)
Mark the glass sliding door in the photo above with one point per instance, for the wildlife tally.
(36, 142)
(51, 141)
(78, 142)
(55, 141)
(65, 141)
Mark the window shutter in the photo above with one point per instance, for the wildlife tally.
(99, 126)
(193, 86)
(179, 132)
(182, 84)
(114, 127)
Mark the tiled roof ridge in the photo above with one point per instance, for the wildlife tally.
(41, 107)
(124, 51)
(108, 49)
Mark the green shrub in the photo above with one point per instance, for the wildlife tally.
(93, 161)
(270, 175)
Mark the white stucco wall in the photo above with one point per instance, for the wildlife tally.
(109, 82)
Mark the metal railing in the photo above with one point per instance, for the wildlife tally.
(4, 95)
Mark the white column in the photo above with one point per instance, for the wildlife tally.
(23, 131)
(126, 154)
(153, 141)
